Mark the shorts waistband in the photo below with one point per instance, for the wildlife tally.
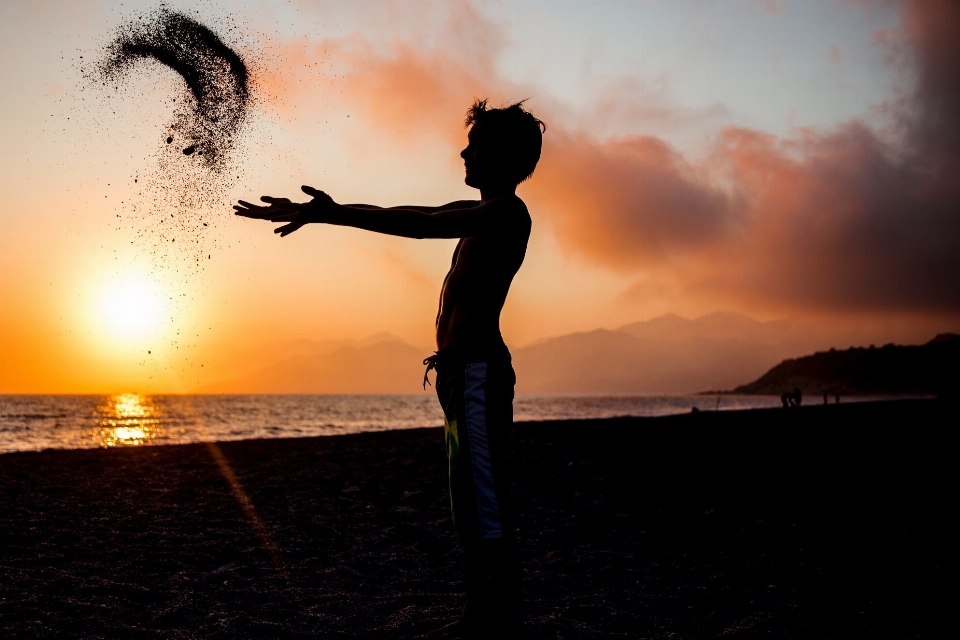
(462, 355)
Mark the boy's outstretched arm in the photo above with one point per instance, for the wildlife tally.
(455, 220)
(459, 204)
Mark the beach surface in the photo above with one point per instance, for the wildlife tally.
(820, 522)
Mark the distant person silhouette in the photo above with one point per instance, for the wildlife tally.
(792, 398)
(475, 378)
(826, 398)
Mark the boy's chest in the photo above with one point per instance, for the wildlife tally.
(473, 254)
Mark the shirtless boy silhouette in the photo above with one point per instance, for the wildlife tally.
(475, 377)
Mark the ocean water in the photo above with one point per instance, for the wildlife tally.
(35, 422)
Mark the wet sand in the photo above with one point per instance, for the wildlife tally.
(821, 522)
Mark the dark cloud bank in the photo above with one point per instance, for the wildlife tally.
(850, 220)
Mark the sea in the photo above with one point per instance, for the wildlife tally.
(37, 422)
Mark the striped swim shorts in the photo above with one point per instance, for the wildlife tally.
(476, 393)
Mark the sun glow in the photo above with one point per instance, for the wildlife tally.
(132, 308)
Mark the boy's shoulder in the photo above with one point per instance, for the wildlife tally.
(510, 206)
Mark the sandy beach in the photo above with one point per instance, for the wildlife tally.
(820, 522)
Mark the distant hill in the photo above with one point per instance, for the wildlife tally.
(928, 368)
(389, 366)
(668, 354)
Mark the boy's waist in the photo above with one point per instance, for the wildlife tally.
(461, 355)
(469, 354)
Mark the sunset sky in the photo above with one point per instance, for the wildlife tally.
(779, 158)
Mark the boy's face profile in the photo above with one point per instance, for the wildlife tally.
(484, 166)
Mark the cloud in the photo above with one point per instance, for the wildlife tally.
(407, 88)
(840, 221)
(931, 28)
(852, 219)
(627, 202)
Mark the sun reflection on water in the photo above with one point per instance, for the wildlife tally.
(127, 419)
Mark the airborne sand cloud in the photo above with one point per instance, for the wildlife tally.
(854, 219)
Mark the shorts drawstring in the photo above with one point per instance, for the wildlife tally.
(431, 363)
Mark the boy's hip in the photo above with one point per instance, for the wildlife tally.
(490, 366)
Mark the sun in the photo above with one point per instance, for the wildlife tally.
(132, 307)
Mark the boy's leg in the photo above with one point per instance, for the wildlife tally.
(501, 555)
(450, 386)
(478, 408)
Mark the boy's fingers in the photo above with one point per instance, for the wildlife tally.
(287, 229)
(310, 191)
(284, 217)
(250, 213)
(253, 207)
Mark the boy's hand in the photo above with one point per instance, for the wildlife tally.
(295, 214)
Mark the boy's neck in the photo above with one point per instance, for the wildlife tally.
(489, 193)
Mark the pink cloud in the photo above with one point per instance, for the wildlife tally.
(628, 201)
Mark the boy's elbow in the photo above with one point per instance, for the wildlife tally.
(425, 228)
(418, 232)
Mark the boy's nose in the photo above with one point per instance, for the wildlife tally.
(463, 154)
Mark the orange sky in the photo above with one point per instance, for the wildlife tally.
(682, 187)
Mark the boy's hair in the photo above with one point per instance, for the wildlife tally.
(513, 129)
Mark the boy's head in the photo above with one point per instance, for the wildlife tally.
(504, 145)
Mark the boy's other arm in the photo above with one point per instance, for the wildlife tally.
(459, 204)
(454, 220)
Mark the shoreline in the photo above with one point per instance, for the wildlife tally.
(709, 407)
(820, 521)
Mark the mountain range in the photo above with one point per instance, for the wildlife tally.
(668, 354)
